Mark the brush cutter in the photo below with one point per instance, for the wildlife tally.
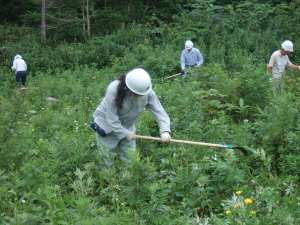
(196, 143)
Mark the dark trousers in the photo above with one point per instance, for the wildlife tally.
(21, 75)
(184, 76)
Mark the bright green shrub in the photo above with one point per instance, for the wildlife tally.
(276, 132)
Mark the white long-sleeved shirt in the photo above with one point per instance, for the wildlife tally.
(191, 58)
(120, 121)
(19, 65)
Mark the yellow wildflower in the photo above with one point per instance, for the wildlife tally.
(237, 205)
(228, 212)
(238, 192)
(248, 201)
(122, 204)
(253, 212)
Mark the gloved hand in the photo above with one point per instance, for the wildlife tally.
(165, 137)
(130, 136)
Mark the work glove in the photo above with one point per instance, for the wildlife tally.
(130, 136)
(165, 137)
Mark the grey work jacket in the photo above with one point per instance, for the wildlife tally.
(120, 121)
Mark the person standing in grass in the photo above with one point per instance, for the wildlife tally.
(125, 99)
(190, 57)
(278, 62)
(20, 67)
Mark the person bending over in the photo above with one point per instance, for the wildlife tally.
(125, 99)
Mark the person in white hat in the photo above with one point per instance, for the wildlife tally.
(116, 115)
(189, 58)
(20, 67)
(278, 62)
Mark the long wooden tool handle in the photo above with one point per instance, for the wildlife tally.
(185, 142)
(173, 75)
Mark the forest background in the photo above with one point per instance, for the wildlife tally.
(49, 164)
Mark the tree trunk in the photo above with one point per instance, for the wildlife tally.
(43, 24)
(88, 18)
(83, 14)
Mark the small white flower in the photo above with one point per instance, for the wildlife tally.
(23, 201)
(215, 157)
(246, 120)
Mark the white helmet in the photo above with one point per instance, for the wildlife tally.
(189, 44)
(138, 81)
(18, 56)
(287, 46)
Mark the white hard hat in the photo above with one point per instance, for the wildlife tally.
(138, 81)
(287, 46)
(18, 56)
(189, 44)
